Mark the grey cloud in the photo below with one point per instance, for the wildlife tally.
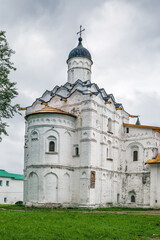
(146, 105)
(20, 12)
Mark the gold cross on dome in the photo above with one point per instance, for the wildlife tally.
(80, 32)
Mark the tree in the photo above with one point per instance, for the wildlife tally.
(7, 88)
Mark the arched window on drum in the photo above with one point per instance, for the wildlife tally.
(52, 144)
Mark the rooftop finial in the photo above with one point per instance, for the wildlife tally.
(138, 122)
(81, 30)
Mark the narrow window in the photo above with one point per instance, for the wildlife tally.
(110, 125)
(0, 182)
(132, 198)
(76, 151)
(5, 200)
(52, 146)
(93, 177)
(135, 155)
(127, 130)
(7, 183)
(118, 197)
(107, 152)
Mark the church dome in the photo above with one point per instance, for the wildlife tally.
(80, 51)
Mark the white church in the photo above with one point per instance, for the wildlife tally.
(81, 150)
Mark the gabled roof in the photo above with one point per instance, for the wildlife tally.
(154, 160)
(4, 173)
(49, 109)
(157, 129)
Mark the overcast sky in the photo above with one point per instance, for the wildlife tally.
(123, 37)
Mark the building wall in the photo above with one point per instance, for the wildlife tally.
(155, 187)
(79, 68)
(47, 175)
(12, 192)
(103, 173)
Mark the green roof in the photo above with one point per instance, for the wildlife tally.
(3, 173)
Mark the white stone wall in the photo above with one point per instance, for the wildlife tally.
(104, 147)
(79, 68)
(47, 174)
(155, 187)
(10, 194)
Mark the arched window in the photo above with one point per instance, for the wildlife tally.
(135, 155)
(132, 198)
(34, 136)
(76, 150)
(109, 125)
(51, 146)
(93, 179)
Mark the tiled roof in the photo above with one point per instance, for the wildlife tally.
(49, 109)
(154, 160)
(3, 173)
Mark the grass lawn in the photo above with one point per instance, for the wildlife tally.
(47, 225)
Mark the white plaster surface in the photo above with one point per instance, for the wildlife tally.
(62, 177)
(13, 193)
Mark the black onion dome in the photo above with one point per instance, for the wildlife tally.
(80, 51)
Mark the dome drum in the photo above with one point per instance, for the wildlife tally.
(79, 64)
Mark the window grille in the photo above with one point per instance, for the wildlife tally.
(52, 146)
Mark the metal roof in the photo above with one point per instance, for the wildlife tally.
(157, 129)
(154, 160)
(4, 173)
(80, 51)
(85, 88)
(49, 109)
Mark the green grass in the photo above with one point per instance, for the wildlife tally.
(122, 209)
(43, 225)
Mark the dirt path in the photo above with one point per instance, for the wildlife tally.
(148, 212)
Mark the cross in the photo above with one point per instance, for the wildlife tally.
(80, 32)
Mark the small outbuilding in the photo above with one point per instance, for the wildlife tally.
(11, 187)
